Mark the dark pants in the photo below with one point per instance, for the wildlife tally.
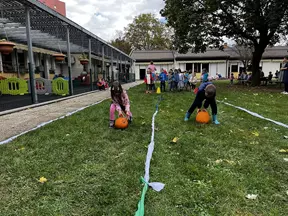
(101, 87)
(193, 86)
(149, 87)
(286, 87)
(175, 85)
(163, 86)
(198, 104)
(171, 85)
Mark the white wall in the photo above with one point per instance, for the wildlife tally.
(213, 69)
(137, 71)
(222, 69)
(182, 66)
(270, 66)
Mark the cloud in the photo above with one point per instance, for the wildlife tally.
(105, 17)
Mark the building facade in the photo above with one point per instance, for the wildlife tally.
(214, 60)
(15, 64)
(56, 5)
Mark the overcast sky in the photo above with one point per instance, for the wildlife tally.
(104, 17)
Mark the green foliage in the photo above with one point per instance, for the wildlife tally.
(93, 170)
(83, 56)
(202, 23)
(146, 32)
(121, 43)
(199, 24)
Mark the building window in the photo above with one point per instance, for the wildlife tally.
(189, 66)
(234, 68)
(7, 63)
(205, 66)
(197, 67)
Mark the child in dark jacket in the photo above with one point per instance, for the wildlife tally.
(207, 92)
(163, 78)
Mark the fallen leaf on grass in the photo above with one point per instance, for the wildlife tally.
(265, 128)
(175, 140)
(257, 104)
(283, 150)
(255, 94)
(230, 162)
(285, 159)
(285, 137)
(219, 161)
(255, 133)
(227, 161)
(241, 130)
(182, 110)
(67, 135)
(287, 192)
(42, 180)
(254, 143)
(143, 123)
(119, 155)
(251, 196)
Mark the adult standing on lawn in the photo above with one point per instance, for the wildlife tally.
(285, 74)
(152, 67)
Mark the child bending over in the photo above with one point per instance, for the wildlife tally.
(207, 92)
(120, 103)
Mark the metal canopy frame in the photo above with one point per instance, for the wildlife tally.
(49, 29)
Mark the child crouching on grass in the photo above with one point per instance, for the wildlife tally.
(120, 103)
(207, 92)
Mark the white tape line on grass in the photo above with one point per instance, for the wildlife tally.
(48, 122)
(257, 115)
(157, 186)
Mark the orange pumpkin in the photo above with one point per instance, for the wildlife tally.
(121, 123)
(203, 117)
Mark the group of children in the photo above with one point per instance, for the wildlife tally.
(206, 93)
(177, 80)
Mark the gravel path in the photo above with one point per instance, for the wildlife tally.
(15, 123)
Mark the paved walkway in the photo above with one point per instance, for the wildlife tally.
(15, 123)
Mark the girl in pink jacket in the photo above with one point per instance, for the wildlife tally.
(120, 103)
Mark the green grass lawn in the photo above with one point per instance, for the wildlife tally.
(93, 170)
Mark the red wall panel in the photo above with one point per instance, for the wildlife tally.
(56, 5)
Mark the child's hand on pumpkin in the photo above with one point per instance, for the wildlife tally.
(128, 113)
(120, 114)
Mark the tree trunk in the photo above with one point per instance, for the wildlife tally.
(257, 56)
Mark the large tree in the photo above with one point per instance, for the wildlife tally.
(146, 32)
(202, 23)
(121, 43)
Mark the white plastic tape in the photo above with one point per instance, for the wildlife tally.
(256, 115)
(157, 186)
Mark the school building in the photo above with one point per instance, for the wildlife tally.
(214, 60)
